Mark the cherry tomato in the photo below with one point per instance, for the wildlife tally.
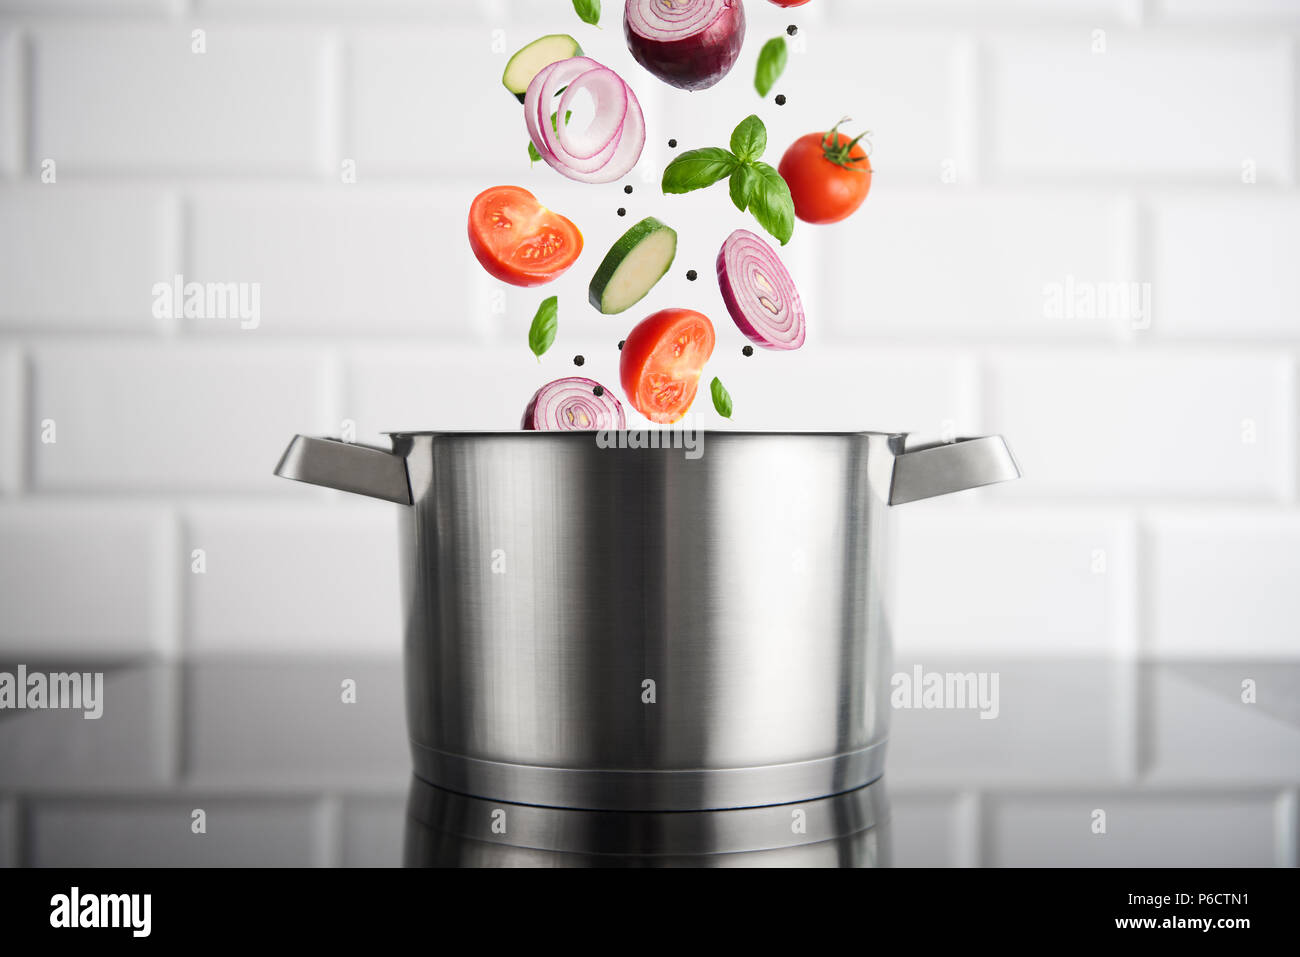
(518, 240)
(662, 360)
(829, 176)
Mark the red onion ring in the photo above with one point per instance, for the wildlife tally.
(759, 293)
(609, 146)
(571, 405)
(666, 22)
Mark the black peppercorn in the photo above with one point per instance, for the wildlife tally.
(780, 99)
(622, 211)
(598, 391)
(672, 144)
(578, 360)
(792, 29)
(628, 189)
(747, 351)
(692, 275)
(621, 343)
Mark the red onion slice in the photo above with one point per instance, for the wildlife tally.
(689, 44)
(610, 145)
(759, 293)
(572, 405)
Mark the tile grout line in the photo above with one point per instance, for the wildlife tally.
(24, 148)
(1142, 692)
(1291, 497)
(1136, 260)
(971, 96)
(169, 610)
(336, 133)
(970, 831)
(1126, 606)
(329, 836)
(1295, 112)
(27, 436)
(17, 420)
(1286, 817)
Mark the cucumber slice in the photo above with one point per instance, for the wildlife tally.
(535, 57)
(632, 267)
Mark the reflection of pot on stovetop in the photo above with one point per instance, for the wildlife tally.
(650, 629)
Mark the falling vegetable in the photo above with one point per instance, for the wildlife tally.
(633, 266)
(588, 11)
(518, 240)
(541, 334)
(573, 404)
(771, 64)
(689, 44)
(755, 186)
(609, 146)
(829, 175)
(721, 398)
(533, 155)
(661, 362)
(759, 293)
(532, 59)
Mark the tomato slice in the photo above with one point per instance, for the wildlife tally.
(661, 362)
(518, 240)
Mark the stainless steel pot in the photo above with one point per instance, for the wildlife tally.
(652, 629)
(445, 829)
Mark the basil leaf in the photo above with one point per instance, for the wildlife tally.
(541, 335)
(697, 169)
(721, 398)
(749, 139)
(588, 10)
(771, 64)
(771, 203)
(742, 185)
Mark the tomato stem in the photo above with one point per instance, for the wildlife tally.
(841, 154)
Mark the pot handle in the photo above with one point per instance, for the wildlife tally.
(940, 468)
(336, 464)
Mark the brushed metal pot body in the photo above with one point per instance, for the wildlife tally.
(595, 625)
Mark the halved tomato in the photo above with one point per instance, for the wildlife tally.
(518, 240)
(662, 360)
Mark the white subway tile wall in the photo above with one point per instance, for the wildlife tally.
(11, 114)
(85, 257)
(1131, 104)
(84, 579)
(1082, 233)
